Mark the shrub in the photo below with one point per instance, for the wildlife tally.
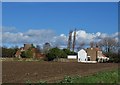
(8, 52)
(50, 56)
(67, 79)
(27, 54)
(113, 57)
(55, 53)
(69, 52)
(58, 53)
(23, 55)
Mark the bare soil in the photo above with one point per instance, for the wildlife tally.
(21, 71)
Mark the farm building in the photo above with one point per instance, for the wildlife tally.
(92, 52)
(82, 55)
(33, 50)
(91, 55)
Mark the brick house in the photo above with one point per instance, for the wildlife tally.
(95, 54)
(27, 47)
(92, 52)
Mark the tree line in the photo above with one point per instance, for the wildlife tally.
(9, 52)
(108, 45)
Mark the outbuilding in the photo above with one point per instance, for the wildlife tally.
(82, 55)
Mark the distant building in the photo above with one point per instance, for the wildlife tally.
(27, 46)
(91, 55)
(82, 55)
(32, 48)
(72, 56)
(92, 52)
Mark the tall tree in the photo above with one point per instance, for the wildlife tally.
(69, 40)
(46, 47)
(74, 39)
(38, 48)
(8, 52)
(92, 44)
(108, 43)
(81, 45)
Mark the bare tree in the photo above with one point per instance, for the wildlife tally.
(81, 45)
(92, 44)
(108, 43)
(70, 39)
(46, 47)
(38, 48)
(74, 39)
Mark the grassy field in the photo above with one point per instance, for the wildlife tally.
(100, 77)
(104, 77)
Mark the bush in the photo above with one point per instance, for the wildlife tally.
(67, 79)
(58, 53)
(27, 54)
(68, 52)
(8, 52)
(50, 56)
(23, 54)
(113, 57)
(55, 53)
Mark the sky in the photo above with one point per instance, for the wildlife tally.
(30, 22)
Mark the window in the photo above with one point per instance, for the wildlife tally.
(88, 58)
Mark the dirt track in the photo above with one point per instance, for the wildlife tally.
(20, 72)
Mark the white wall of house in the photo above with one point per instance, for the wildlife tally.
(102, 58)
(72, 56)
(82, 55)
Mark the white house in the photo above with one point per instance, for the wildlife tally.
(82, 55)
(89, 56)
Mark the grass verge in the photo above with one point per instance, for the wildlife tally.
(100, 77)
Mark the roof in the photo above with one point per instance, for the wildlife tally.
(18, 53)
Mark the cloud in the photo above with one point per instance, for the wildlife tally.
(116, 34)
(41, 32)
(61, 39)
(31, 36)
(8, 29)
(83, 36)
(40, 36)
(46, 35)
(9, 37)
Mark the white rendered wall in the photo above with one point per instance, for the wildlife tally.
(72, 57)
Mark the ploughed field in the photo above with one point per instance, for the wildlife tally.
(21, 71)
